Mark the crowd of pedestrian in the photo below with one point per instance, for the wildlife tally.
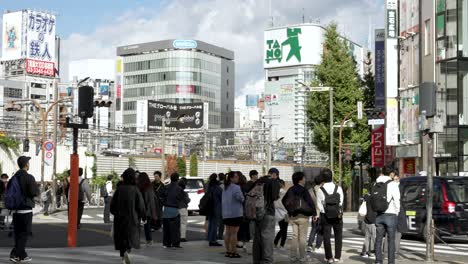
(237, 212)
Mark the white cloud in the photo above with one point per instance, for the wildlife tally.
(236, 25)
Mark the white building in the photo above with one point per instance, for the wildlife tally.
(291, 54)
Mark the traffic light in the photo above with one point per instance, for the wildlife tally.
(38, 148)
(102, 103)
(85, 101)
(347, 157)
(26, 145)
(358, 152)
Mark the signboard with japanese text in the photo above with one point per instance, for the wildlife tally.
(12, 41)
(409, 167)
(378, 147)
(185, 88)
(380, 68)
(40, 36)
(40, 67)
(391, 133)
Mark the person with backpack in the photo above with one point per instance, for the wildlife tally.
(233, 212)
(385, 202)
(183, 205)
(106, 193)
(46, 198)
(84, 192)
(211, 207)
(262, 250)
(281, 217)
(19, 198)
(316, 228)
(300, 207)
(129, 210)
(369, 215)
(330, 202)
(146, 190)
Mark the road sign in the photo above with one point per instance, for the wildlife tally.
(375, 122)
(359, 110)
(319, 89)
(48, 146)
(49, 158)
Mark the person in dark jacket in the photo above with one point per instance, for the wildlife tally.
(183, 205)
(262, 251)
(171, 217)
(243, 235)
(22, 217)
(215, 217)
(144, 185)
(299, 214)
(128, 208)
(159, 191)
(221, 179)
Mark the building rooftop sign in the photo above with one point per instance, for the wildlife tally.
(184, 44)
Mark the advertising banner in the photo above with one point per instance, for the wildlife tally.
(40, 36)
(142, 116)
(380, 68)
(251, 100)
(185, 88)
(378, 147)
(192, 115)
(104, 89)
(40, 67)
(12, 41)
(409, 167)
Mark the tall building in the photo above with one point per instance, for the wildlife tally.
(175, 71)
(291, 54)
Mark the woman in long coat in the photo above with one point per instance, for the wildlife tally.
(128, 208)
(146, 189)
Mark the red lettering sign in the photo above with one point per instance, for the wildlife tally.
(119, 90)
(185, 89)
(37, 67)
(378, 147)
(409, 166)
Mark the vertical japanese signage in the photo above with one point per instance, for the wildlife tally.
(118, 94)
(391, 73)
(40, 40)
(378, 147)
(380, 68)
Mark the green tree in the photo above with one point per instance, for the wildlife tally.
(181, 166)
(338, 70)
(193, 165)
(132, 162)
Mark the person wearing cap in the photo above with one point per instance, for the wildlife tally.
(22, 217)
(262, 251)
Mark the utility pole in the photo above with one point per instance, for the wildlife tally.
(331, 128)
(429, 201)
(163, 149)
(54, 169)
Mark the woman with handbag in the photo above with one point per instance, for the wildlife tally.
(300, 207)
(281, 218)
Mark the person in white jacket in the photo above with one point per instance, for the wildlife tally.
(386, 222)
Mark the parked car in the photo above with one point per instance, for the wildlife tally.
(195, 189)
(450, 206)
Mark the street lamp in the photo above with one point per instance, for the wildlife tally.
(346, 120)
(321, 89)
(163, 140)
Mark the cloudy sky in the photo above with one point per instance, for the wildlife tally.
(93, 29)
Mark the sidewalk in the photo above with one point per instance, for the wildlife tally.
(192, 252)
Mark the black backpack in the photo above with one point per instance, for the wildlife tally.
(378, 197)
(332, 203)
(104, 190)
(206, 204)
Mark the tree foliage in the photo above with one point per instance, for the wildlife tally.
(181, 166)
(171, 164)
(338, 70)
(193, 165)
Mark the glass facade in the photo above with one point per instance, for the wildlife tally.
(452, 80)
(177, 76)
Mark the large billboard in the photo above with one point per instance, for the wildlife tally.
(12, 40)
(150, 115)
(290, 46)
(251, 100)
(40, 36)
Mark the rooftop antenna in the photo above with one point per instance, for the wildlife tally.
(303, 19)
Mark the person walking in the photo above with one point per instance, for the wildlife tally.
(128, 207)
(19, 197)
(46, 198)
(84, 192)
(262, 250)
(146, 189)
(365, 210)
(330, 202)
(58, 194)
(300, 207)
(108, 192)
(215, 216)
(171, 217)
(183, 205)
(159, 191)
(316, 227)
(233, 212)
(281, 216)
(385, 201)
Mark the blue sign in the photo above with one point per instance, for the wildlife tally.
(184, 44)
(251, 99)
(104, 89)
(380, 73)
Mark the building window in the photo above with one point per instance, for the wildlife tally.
(227, 94)
(227, 82)
(427, 37)
(227, 69)
(13, 92)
